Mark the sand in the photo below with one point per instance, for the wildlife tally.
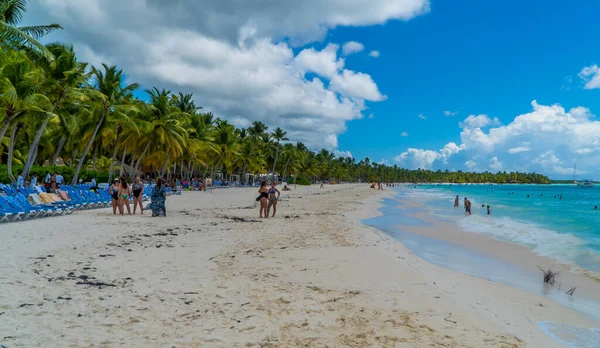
(212, 274)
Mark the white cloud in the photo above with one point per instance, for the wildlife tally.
(543, 140)
(591, 76)
(450, 113)
(352, 47)
(518, 149)
(417, 158)
(374, 54)
(403, 134)
(356, 85)
(236, 57)
(495, 164)
(583, 151)
(423, 117)
(478, 121)
(471, 165)
(338, 153)
(424, 159)
(323, 63)
(550, 162)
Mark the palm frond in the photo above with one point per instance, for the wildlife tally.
(37, 31)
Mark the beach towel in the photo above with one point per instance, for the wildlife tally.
(63, 195)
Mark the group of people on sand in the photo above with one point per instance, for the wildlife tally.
(467, 205)
(122, 194)
(268, 198)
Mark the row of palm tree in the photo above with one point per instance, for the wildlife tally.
(55, 109)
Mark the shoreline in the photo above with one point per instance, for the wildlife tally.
(501, 249)
(211, 274)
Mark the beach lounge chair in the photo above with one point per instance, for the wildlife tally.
(34, 200)
(20, 202)
(18, 214)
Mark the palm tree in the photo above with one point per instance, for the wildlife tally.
(110, 99)
(279, 135)
(19, 93)
(166, 134)
(62, 87)
(11, 13)
(257, 131)
(227, 146)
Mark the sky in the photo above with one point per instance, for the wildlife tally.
(462, 85)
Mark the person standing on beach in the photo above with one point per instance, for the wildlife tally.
(59, 180)
(263, 198)
(273, 198)
(456, 202)
(489, 211)
(158, 199)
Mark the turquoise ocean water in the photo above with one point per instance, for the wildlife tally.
(566, 229)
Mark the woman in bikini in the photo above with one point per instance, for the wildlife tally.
(124, 194)
(264, 198)
(138, 194)
(273, 197)
(114, 194)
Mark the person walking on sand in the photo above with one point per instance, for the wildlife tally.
(264, 199)
(158, 199)
(273, 198)
(456, 202)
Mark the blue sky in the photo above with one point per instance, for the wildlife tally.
(470, 57)
(500, 85)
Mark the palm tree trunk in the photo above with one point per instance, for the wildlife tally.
(11, 146)
(85, 152)
(132, 168)
(36, 141)
(123, 162)
(275, 163)
(7, 120)
(137, 166)
(113, 159)
(164, 170)
(94, 157)
(61, 143)
(285, 168)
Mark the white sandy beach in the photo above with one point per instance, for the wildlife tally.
(314, 276)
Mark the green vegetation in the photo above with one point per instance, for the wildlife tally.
(60, 114)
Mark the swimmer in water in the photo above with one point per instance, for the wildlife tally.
(489, 211)
(456, 200)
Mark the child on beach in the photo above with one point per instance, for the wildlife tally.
(456, 201)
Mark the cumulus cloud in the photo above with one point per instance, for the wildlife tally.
(545, 140)
(470, 165)
(518, 149)
(495, 164)
(342, 154)
(591, 76)
(424, 159)
(450, 113)
(423, 117)
(403, 134)
(374, 54)
(478, 121)
(238, 58)
(352, 47)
